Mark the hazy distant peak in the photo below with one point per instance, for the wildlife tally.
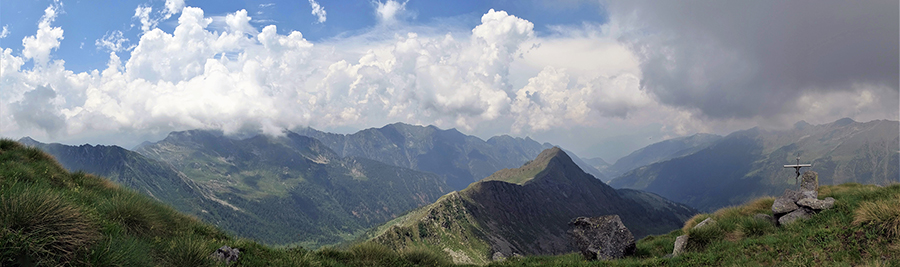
(28, 141)
(800, 125)
(843, 122)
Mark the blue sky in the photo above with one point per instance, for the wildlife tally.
(343, 18)
(600, 78)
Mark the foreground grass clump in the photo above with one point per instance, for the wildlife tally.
(51, 217)
(861, 229)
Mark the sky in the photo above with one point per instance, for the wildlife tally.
(600, 78)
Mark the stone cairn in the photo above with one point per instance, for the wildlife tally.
(601, 238)
(802, 204)
(788, 208)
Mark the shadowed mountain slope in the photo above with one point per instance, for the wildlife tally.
(749, 164)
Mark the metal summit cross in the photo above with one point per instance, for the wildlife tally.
(798, 166)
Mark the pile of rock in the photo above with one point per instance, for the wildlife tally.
(601, 238)
(802, 204)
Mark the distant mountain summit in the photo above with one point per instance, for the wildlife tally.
(526, 210)
(460, 159)
(748, 164)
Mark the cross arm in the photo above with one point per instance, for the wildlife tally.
(797, 165)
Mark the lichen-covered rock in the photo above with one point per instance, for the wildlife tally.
(817, 204)
(226, 254)
(603, 238)
(680, 241)
(801, 213)
(705, 222)
(786, 202)
(809, 182)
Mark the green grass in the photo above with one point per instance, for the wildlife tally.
(49, 216)
(861, 230)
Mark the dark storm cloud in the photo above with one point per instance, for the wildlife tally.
(741, 59)
(37, 109)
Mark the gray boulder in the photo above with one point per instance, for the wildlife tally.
(705, 222)
(603, 238)
(680, 241)
(226, 254)
(801, 213)
(786, 202)
(817, 204)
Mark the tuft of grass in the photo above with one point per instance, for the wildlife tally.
(426, 257)
(40, 227)
(693, 221)
(883, 214)
(373, 253)
(119, 251)
(133, 212)
(189, 251)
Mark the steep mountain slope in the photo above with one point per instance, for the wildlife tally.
(661, 151)
(461, 159)
(150, 177)
(525, 211)
(293, 188)
(749, 164)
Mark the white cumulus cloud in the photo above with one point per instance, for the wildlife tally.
(39, 45)
(390, 11)
(318, 11)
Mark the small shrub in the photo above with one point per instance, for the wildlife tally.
(884, 214)
(43, 226)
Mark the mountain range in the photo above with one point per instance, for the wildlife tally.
(461, 159)
(525, 211)
(748, 164)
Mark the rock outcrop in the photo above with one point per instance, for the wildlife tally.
(226, 254)
(601, 238)
(803, 204)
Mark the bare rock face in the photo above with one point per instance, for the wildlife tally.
(601, 238)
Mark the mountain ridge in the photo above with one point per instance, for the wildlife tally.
(526, 217)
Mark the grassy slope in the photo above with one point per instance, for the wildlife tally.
(862, 229)
(49, 216)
